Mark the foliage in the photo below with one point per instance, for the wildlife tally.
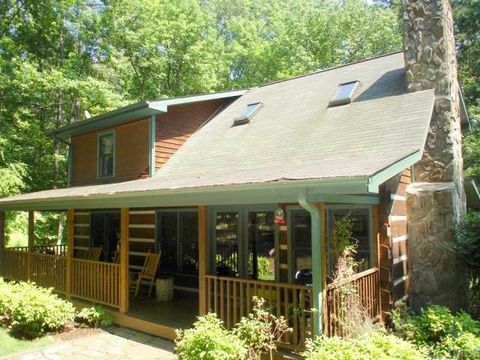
(467, 248)
(444, 335)
(31, 311)
(260, 331)
(340, 239)
(209, 340)
(370, 345)
(94, 316)
(255, 335)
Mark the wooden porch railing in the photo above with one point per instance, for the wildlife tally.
(42, 249)
(96, 281)
(14, 264)
(48, 270)
(91, 280)
(364, 286)
(231, 298)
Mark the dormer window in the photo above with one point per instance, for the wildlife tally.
(106, 155)
(247, 113)
(344, 93)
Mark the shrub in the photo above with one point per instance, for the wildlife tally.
(372, 345)
(444, 335)
(31, 311)
(252, 337)
(260, 331)
(209, 340)
(94, 316)
(467, 249)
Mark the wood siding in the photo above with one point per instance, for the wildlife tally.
(176, 126)
(131, 154)
(392, 227)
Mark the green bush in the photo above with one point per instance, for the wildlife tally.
(374, 345)
(467, 249)
(209, 340)
(444, 334)
(254, 336)
(94, 316)
(31, 311)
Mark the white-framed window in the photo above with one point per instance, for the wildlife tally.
(106, 155)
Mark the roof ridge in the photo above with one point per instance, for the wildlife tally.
(331, 68)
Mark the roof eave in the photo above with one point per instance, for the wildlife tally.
(132, 112)
(328, 190)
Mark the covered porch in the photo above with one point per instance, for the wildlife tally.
(228, 254)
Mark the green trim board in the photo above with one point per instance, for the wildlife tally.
(136, 111)
(387, 173)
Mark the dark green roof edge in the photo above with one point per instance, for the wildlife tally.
(135, 112)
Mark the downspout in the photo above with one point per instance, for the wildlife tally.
(317, 275)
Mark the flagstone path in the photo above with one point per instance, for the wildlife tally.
(113, 343)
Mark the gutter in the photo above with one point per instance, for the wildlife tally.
(317, 274)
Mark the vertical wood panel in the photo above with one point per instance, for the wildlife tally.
(124, 250)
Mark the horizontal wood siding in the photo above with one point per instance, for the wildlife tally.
(141, 236)
(81, 238)
(131, 154)
(176, 126)
(393, 240)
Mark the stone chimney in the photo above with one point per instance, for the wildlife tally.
(436, 198)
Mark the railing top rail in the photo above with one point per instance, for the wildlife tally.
(85, 261)
(358, 276)
(259, 282)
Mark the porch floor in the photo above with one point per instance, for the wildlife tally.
(180, 313)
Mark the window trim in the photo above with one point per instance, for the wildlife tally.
(99, 135)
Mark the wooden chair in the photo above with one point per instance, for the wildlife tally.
(148, 273)
(94, 253)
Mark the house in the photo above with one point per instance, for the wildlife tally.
(239, 190)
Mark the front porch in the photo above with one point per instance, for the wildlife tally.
(222, 257)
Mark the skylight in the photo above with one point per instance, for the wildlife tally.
(344, 94)
(247, 113)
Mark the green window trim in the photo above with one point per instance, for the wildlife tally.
(99, 136)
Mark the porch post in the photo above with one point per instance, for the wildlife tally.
(317, 266)
(70, 245)
(202, 258)
(376, 238)
(124, 249)
(323, 265)
(31, 240)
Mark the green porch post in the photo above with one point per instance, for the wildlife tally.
(318, 273)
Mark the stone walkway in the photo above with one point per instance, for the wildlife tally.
(114, 343)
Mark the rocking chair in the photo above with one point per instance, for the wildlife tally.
(148, 272)
(94, 253)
